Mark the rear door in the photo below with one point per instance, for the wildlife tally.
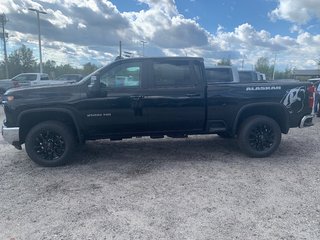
(176, 96)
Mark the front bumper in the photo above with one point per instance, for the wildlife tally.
(11, 135)
(307, 121)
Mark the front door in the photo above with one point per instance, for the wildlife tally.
(120, 111)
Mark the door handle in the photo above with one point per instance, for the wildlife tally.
(193, 94)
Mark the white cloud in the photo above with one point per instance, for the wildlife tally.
(78, 31)
(298, 11)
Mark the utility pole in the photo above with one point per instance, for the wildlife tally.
(120, 49)
(143, 43)
(4, 35)
(274, 66)
(39, 32)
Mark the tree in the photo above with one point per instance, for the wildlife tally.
(21, 60)
(262, 65)
(50, 68)
(224, 62)
(284, 75)
(88, 68)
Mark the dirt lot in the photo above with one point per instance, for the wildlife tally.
(197, 188)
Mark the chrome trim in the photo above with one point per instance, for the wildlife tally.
(10, 135)
(304, 119)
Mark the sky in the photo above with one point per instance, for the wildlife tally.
(79, 31)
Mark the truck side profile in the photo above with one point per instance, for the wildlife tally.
(153, 97)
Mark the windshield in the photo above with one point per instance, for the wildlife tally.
(74, 77)
(87, 78)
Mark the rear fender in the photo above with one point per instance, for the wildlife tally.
(276, 111)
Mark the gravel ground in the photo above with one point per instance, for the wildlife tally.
(196, 188)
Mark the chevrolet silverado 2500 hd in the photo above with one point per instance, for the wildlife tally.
(153, 97)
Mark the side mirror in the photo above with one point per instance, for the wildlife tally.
(94, 86)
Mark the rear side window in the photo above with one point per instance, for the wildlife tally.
(172, 74)
(216, 75)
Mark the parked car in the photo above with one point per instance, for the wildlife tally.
(153, 97)
(21, 80)
(222, 74)
(251, 76)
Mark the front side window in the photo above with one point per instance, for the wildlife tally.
(126, 75)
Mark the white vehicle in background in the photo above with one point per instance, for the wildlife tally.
(29, 80)
(251, 76)
(222, 74)
(23, 80)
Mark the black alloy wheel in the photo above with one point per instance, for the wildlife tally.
(50, 143)
(259, 136)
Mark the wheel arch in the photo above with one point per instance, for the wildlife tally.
(29, 118)
(276, 111)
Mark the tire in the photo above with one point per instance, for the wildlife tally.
(50, 144)
(259, 136)
(225, 135)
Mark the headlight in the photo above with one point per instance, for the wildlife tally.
(8, 98)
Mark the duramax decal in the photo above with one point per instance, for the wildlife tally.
(99, 115)
(270, 88)
(294, 99)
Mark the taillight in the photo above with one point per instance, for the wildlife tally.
(311, 91)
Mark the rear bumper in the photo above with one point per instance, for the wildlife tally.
(307, 121)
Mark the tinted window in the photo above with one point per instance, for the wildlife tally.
(219, 75)
(198, 72)
(247, 76)
(44, 78)
(124, 75)
(174, 74)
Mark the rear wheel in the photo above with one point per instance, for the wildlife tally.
(50, 144)
(259, 136)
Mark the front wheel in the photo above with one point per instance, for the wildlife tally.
(259, 136)
(50, 144)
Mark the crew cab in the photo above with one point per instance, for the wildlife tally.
(153, 97)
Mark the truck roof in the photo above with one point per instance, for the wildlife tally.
(162, 58)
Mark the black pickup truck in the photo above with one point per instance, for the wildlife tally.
(153, 97)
